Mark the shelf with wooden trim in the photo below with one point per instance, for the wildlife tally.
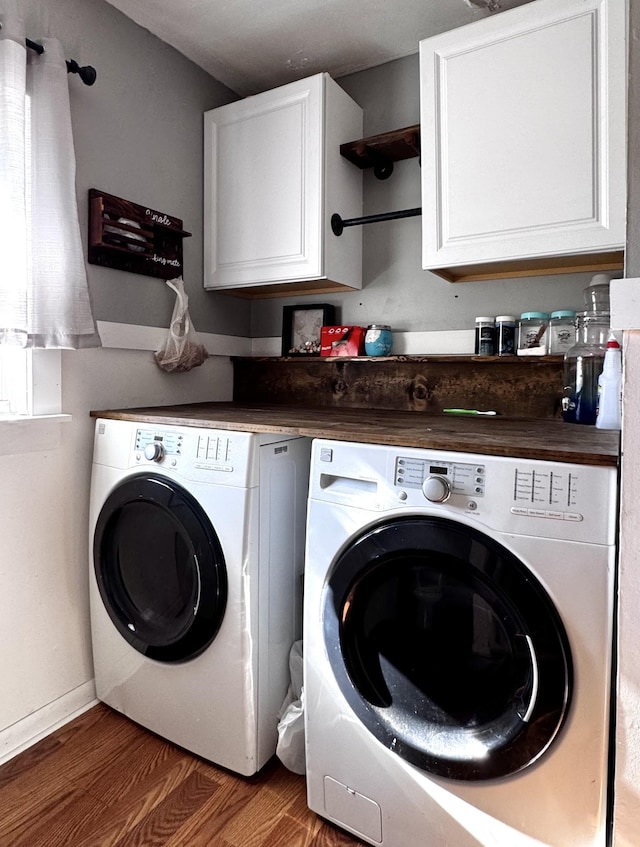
(381, 151)
(537, 266)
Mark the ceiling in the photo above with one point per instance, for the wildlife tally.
(254, 45)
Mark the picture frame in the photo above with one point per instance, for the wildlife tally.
(301, 326)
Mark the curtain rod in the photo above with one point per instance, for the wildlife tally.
(86, 73)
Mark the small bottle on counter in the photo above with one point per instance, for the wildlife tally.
(485, 336)
(562, 331)
(610, 388)
(506, 335)
(378, 340)
(532, 334)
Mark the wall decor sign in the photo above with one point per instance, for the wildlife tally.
(129, 237)
(302, 326)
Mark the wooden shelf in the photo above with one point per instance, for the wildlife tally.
(380, 151)
(461, 358)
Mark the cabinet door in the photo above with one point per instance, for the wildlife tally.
(523, 134)
(263, 187)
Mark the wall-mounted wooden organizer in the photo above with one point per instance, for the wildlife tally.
(129, 237)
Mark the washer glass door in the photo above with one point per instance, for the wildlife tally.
(447, 648)
(160, 568)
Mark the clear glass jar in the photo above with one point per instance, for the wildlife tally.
(532, 333)
(506, 335)
(485, 344)
(562, 332)
(582, 366)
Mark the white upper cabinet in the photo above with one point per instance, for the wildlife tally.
(273, 178)
(524, 136)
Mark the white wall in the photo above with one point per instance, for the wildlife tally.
(45, 661)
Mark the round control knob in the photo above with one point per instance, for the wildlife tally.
(436, 489)
(154, 452)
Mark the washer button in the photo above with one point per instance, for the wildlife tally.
(573, 516)
(519, 510)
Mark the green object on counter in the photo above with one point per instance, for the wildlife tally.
(466, 412)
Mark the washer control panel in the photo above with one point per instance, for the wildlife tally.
(432, 476)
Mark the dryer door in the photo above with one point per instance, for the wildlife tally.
(447, 648)
(159, 568)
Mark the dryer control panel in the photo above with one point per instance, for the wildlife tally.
(203, 450)
(461, 478)
(166, 443)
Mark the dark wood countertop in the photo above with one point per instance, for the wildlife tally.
(551, 440)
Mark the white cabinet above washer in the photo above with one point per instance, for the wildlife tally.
(273, 178)
(524, 136)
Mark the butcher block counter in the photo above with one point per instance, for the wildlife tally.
(551, 440)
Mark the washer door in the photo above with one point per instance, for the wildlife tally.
(160, 568)
(447, 648)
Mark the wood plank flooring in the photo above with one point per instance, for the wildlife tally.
(103, 781)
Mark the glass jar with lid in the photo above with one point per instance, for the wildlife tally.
(506, 335)
(532, 333)
(485, 336)
(562, 331)
(582, 366)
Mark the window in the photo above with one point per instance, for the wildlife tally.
(15, 379)
(30, 382)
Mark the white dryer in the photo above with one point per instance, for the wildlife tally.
(458, 647)
(197, 552)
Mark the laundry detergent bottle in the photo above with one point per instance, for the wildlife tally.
(610, 388)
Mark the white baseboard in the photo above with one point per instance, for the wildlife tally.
(36, 726)
(134, 337)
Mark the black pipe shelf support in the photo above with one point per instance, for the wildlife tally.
(338, 224)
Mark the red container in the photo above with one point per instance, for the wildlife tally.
(342, 340)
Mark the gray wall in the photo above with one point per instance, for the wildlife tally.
(138, 135)
(396, 290)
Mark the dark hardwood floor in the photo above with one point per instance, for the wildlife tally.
(103, 781)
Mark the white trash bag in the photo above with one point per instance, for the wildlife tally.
(181, 350)
(290, 747)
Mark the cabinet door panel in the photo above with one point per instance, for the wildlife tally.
(523, 134)
(255, 225)
(263, 187)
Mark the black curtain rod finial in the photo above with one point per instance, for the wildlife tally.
(86, 73)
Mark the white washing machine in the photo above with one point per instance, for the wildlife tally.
(197, 553)
(458, 647)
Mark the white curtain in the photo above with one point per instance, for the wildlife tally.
(44, 296)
